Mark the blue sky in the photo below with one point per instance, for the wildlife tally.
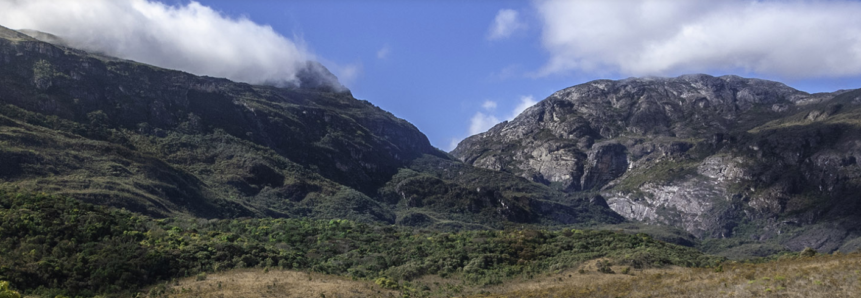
(454, 68)
(429, 62)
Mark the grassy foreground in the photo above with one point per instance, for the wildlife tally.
(264, 283)
(791, 276)
(836, 275)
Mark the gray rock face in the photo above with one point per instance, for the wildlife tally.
(722, 168)
(693, 205)
(703, 153)
(550, 141)
(606, 162)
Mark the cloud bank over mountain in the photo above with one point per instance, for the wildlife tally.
(189, 37)
(790, 39)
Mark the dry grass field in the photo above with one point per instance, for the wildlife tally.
(829, 276)
(810, 277)
(274, 284)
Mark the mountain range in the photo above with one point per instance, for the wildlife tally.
(167, 143)
(745, 166)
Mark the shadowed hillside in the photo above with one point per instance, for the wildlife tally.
(164, 143)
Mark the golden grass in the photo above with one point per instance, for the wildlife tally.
(274, 284)
(821, 276)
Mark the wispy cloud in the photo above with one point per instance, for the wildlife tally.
(453, 143)
(483, 120)
(507, 22)
(384, 52)
(792, 39)
(525, 102)
(347, 73)
(190, 37)
(489, 105)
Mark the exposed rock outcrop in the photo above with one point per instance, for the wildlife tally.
(606, 162)
(718, 156)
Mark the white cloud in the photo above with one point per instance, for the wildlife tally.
(507, 21)
(190, 37)
(350, 71)
(794, 39)
(453, 144)
(525, 103)
(481, 122)
(346, 73)
(489, 105)
(384, 52)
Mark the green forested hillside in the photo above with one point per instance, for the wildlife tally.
(53, 245)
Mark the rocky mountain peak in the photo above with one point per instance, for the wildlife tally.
(317, 77)
(647, 106)
(571, 121)
(696, 151)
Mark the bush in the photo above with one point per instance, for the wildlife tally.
(6, 291)
(604, 267)
(386, 283)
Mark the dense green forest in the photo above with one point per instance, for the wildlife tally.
(52, 245)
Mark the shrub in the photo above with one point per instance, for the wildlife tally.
(6, 291)
(807, 252)
(604, 267)
(386, 283)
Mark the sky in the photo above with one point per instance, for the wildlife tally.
(456, 68)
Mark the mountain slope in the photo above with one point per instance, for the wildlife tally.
(164, 142)
(244, 131)
(718, 156)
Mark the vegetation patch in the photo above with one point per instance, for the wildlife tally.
(55, 245)
(662, 172)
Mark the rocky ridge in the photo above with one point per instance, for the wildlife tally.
(721, 157)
